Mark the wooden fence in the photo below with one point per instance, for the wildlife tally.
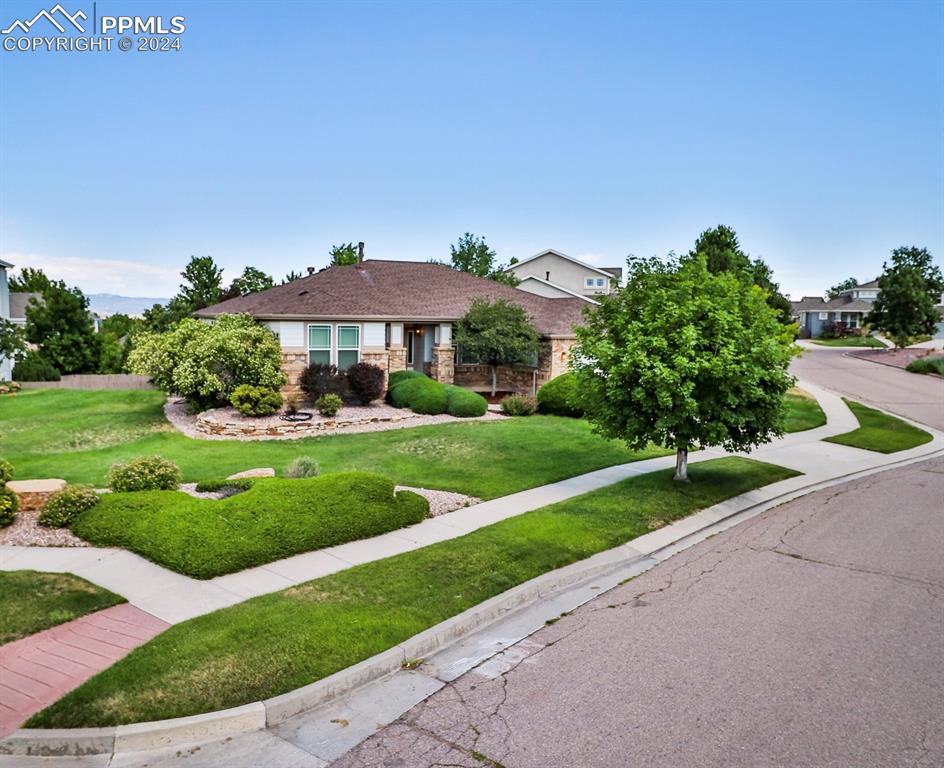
(93, 381)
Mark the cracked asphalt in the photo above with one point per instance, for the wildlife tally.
(812, 635)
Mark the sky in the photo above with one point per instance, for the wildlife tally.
(600, 129)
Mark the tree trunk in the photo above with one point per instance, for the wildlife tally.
(681, 465)
(494, 380)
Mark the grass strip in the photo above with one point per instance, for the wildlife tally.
(803, 412)
(880, 432)
(483, 459)
(850, 341)
(31, 601)
(279, 642)
(277, 517)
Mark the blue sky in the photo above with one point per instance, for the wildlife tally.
(816, 130)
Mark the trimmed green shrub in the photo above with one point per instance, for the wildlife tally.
(398, 377)
(35, 367)
(558, 397)
(150, 473)
(256, 401)
(64, 506)
(329, 405)
(223, 484)
(303, 466)
(274, 519)
(518, 405)
(6, 471)
(421, 395)
(464, 403)
(9, 503)
(927, 365)
(366, 382)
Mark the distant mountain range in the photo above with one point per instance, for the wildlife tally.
(111, 304)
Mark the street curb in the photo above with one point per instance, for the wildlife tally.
(261, 714)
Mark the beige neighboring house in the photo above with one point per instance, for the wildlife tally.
(554, 274)
(6, 365)
(398, 315)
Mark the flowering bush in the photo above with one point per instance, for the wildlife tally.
(329, 405)
(255, 401)
(518, 405)
(6, 471)
(206, 362)
(9, 503)
(64, 506)
(151, 473)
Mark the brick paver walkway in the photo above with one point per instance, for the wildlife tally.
(38, 670)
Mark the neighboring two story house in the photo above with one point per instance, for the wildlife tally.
(6, 365)
(556, 275)
(849, 308)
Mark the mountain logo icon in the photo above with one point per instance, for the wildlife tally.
(53, 17)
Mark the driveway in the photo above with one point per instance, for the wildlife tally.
(911, 395)
(812, 635)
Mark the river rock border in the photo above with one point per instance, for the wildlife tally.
(210, 425)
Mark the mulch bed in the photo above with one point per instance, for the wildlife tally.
(898, 358)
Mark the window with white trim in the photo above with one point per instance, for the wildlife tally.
(588, 282)
(319, 344)
(600, 282)
(824, 315)
(349, 346)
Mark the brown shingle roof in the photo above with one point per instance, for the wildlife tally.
(396, 290)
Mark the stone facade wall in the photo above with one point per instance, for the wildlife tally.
(442, 367)
(523, 380)
(380, 358)
(396, 359)
(294, 362)
(32, 494)
(558, 357)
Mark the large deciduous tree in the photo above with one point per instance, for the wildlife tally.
(60, 324)
(838, 288)
(473, 255)
(203, 284)
(684, 357)
(723, 253)
(343, 255)
(909, 289)
(497, 333)
(252, 280)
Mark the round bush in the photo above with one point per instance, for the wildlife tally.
(256, 401)
(464, 403)
(329, 405)
(64, 506)
(6, 471)
(35, 367)
(9, 503)
(303, 466)
(150, 473)
(398, 377)
(366, 382)
(518, 405)
(558, 397)
(323, 379)
(421, 395)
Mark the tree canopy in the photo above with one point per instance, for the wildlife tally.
(723, 253)
(473, 255)
(252, 280)
(61, 326)
(497, 333)
(203, 284)
(29, 280)
(909, 289)
(838, 288)
(684, 357)
(343, 255)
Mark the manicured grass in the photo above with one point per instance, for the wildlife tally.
(31, 601)
(850, 341)
(278, 642)
(275, 518)
(927, 365)
(803, 412)
(483, 459)
(880, 432)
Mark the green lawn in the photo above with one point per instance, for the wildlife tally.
(277, 517)
(880, 432)
(31, 601)
(278, 642)
(803, 412)
(850, 341)
(483, 459)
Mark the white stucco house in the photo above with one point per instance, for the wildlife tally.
(556, 275)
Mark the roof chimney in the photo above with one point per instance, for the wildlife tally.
(311, 271)
(360, 253)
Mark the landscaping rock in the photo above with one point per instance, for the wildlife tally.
(33, 493)
(258, 472)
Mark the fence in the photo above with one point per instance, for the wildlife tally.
(93, 381)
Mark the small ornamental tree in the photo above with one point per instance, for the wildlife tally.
(205, 362)
(498, 333)
(909, 289)
(684, 358)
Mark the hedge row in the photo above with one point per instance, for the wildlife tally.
(419, 393)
